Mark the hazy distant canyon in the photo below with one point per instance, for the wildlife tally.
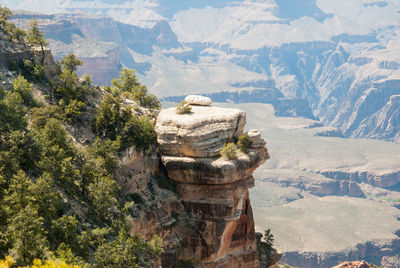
(319, 70)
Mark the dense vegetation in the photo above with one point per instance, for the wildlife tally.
(58, 199)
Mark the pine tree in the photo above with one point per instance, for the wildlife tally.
(35, 37)
(27, 236)
(71, 63)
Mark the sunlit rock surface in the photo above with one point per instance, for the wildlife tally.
(201, 133)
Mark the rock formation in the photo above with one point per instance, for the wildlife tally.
(198, 100)
(213, 190)
(201, 133)
(14, 55)
(353, 264)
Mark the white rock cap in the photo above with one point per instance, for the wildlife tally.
(254, 133)
(256, 139)
(198, 100)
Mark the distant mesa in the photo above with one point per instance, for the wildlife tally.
(198, 100)
(353, 264)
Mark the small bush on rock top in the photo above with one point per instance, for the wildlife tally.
(244, 143)
(229, 151)
(183, 108)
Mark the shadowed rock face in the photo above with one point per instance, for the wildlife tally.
(214, 190)
(13, 54)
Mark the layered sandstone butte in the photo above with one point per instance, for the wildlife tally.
(212, 189)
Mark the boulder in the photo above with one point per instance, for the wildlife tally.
(256, 140)
(201, 133)
(198, 100)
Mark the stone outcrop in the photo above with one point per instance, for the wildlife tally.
(50, 68)
(198, 100)
(13, 55)
(214, 191)
(135, 170)
(255, 137)
(201, 133)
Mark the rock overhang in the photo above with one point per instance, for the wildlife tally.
(213, 170)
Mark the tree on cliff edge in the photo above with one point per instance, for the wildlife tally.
(35, 36)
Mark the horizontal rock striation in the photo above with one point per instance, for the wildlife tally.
(391, 179)
(211, 170)
(212, 189)
(381, 252)
(201, 133)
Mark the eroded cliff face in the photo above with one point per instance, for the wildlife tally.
(213, 191)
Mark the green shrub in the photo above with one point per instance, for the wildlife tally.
(73, 110)
(23, 88)
(105, 152)
(9, 28)
(33, 69)
(138, 131)
(12, 112)
(150, 101)
(117, 123)
(127, 251)
(65, 229)
(229, 151)
(183, 108)
(35, 37)
(65, 254)
(128, 86)
(45, 178)
(108, 116)
(18, 34)
(268, 238)
(244, 143)
(38, 70)
(103, 194)
(71, 63)
(40, 115)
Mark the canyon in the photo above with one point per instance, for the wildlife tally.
(191, 197)
(236, 47)
(320, 81)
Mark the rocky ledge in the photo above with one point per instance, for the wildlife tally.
(201, 133)
(212, 189)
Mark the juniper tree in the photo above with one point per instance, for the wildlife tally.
(35, 37)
